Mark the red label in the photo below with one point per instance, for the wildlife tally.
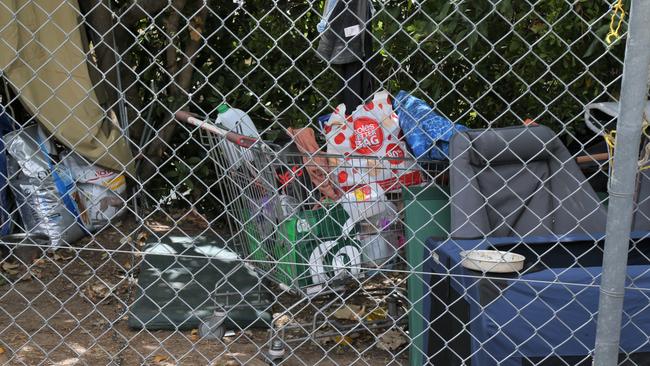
(368, 137)
(343, 177)
(100, 174)
(288, 176)
(405, 180)
(395, 152)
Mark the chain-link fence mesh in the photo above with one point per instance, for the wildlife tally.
(314, 182)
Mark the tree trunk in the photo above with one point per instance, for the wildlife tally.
(111, 41)
(141, 9)
(99, 24)
(180, 67)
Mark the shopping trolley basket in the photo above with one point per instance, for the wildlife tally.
(277, 220)
(281, 225)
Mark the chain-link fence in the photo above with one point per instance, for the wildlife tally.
(324, 182)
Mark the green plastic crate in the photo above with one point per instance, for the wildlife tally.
(295, 241)
(427, 214)
(314, 234)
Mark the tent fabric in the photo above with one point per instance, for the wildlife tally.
(42, 57)
(546, 309)
(518, 181)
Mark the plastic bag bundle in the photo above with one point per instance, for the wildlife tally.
(370, 148)
(100, 192)
(426, 132)
(43, 188)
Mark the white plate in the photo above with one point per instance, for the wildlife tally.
(494, 261)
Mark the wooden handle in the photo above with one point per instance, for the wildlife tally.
(191, 119)
(241, 140)
(183, 116)
(592, 158)
(235, 138)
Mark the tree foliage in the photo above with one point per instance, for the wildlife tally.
(480, 63)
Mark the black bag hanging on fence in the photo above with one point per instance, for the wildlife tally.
(346, 42)
(7, 124)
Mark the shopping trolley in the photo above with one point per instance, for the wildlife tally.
(293, 237)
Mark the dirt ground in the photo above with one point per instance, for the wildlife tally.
(69, 308)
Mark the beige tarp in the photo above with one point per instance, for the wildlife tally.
(42, 56)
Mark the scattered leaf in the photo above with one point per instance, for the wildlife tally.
(39, 262)
(281, 320)
(194, 335)
(104, 255)
(376, 314)
(26, 277)
(343, 340)
(60, 255)
(142, 238)
(193, 217)
(100, 323)
(32, 273)
(391, 340)
(10, 268)
(228, 361)
(97, 292)
(338, 340)
(160, 358)
(350, 312)
(2, 350)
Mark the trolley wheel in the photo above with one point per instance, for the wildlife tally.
(276, 352)
(213, 327)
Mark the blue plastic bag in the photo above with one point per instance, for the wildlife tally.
(426, 132)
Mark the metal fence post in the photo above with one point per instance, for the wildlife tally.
(634, 90)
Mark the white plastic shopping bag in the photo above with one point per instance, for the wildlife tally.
(366, 147)
(101, 192)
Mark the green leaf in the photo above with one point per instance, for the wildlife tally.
(444, 11)
(472, 39)
(505, 8)
(194, 160)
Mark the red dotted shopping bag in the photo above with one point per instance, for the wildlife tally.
(366, 147)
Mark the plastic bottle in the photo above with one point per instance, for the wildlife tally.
(237, 121)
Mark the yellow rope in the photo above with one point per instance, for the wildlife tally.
(610, 140)
(644, 160)
(614, 31)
